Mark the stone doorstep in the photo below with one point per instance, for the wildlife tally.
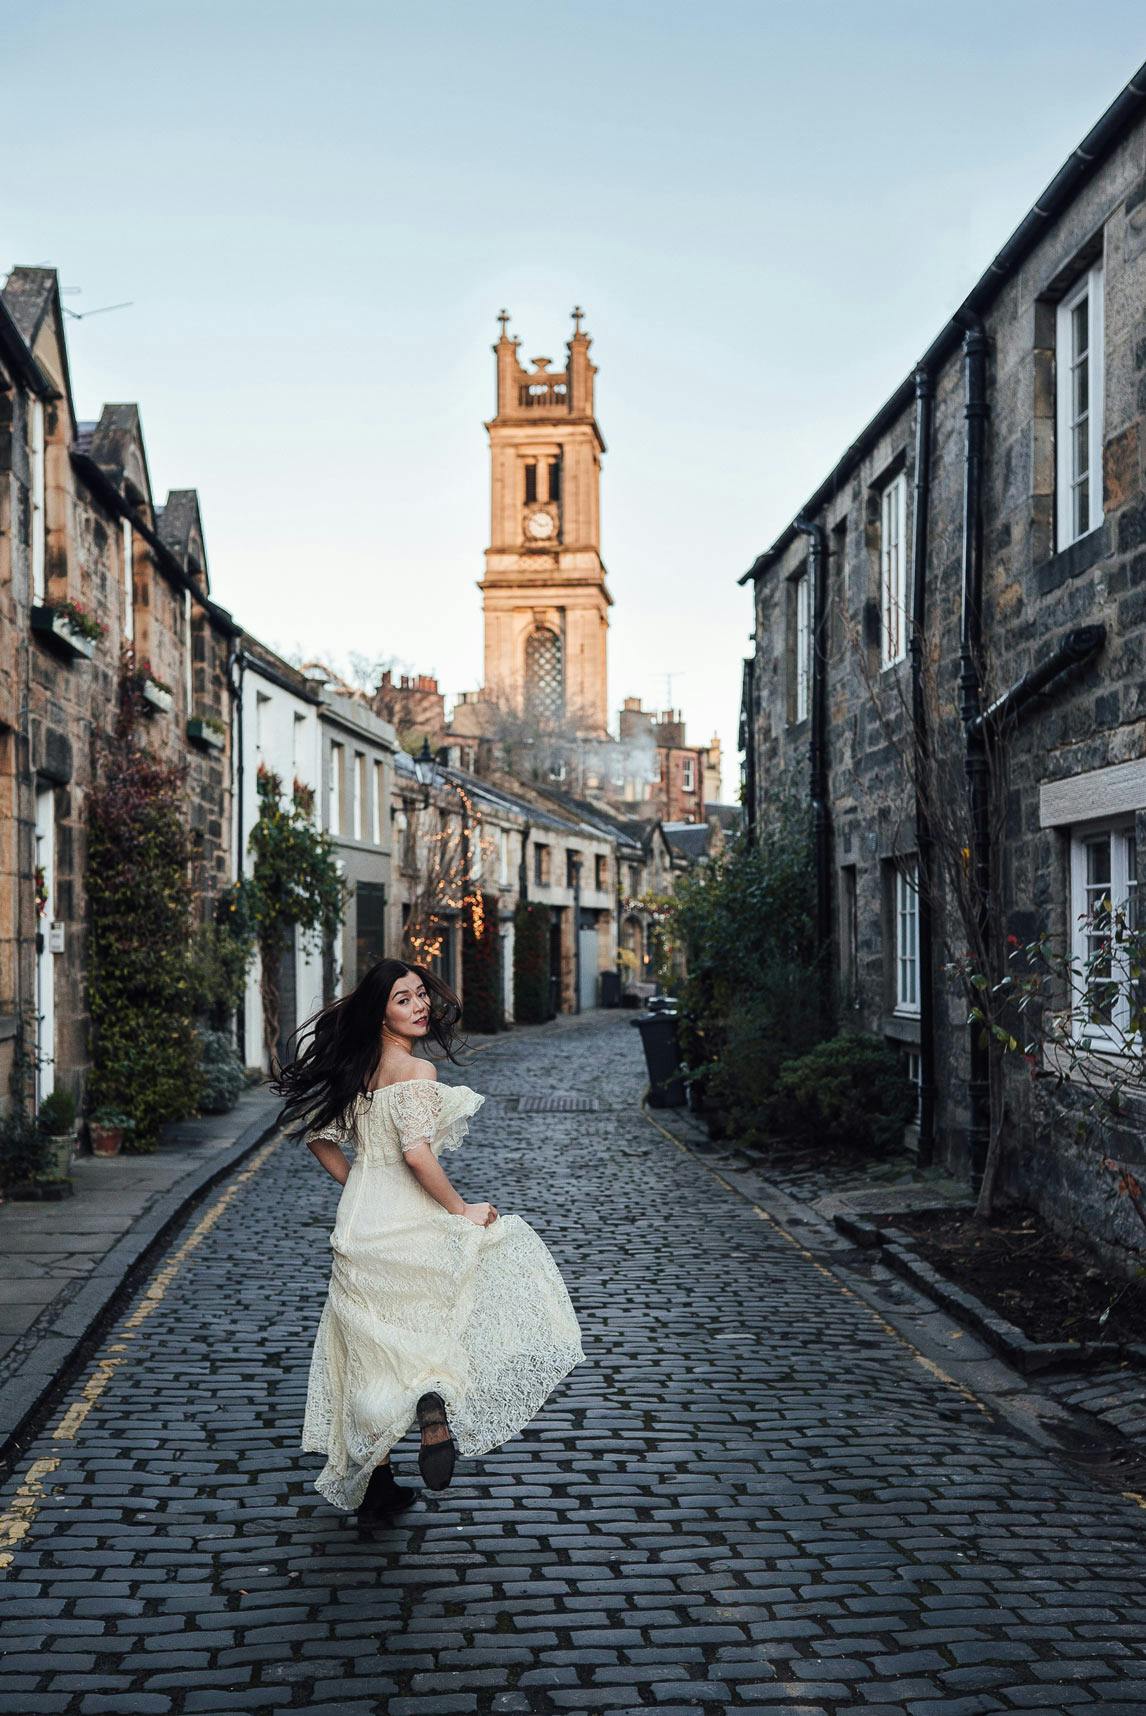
(62, 1347)
(1029, 1357)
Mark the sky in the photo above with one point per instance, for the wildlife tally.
(315, 213)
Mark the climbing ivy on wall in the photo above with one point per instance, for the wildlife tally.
(145, 1052)
(531, 1004)
(481, 965)
(295, 881)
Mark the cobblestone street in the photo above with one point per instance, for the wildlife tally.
(755, 1495)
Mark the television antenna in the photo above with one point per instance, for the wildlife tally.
(677, 673)
(103, 310)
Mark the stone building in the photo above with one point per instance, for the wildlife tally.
(334, 758)
(357, 792)
(1000, 493)
(97, 581)
(681, 776)
(457, 834)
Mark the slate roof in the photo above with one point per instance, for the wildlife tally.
(617, 828)
(729, 816)
(180, 525)
(27, 299)
(117, 432)
(690, 839)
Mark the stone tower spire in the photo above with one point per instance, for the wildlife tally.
(544, 598)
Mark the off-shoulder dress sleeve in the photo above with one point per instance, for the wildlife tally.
(429, 1113)
(417, 1107)
(334, 1132)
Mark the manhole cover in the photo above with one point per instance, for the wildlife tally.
(557, 1104)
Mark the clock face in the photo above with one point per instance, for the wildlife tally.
(539, 525)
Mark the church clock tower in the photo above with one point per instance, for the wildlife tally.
(544, 602)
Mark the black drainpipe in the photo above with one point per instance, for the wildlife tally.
(236, 668)
(922, 749)
(818, 758)
(970, 708)
(1076, 650)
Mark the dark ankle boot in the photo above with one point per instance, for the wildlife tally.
(435, 1459)
(383, 1496)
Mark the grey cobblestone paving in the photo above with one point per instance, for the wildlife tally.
(753, 1497)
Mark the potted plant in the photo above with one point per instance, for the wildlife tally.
(69, 626)
(106, 1127)
(208, 730)
(56, 1119)
(155, 692)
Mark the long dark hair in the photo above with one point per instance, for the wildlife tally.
(337, 1050)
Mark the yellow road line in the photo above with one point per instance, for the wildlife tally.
(822, 1268)
(16, 1520)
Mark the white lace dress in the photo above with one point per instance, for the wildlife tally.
(421, 1299)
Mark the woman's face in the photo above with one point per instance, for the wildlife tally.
(408, 1009)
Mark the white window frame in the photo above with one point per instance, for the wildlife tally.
(915, 1074)
(127, 548)
(1070, 411)
(357, 792)
(334, 790)
(36, 492)
(905, 905)
(1122, 891)
(688, 775)
(376, 803)
(802, 642)
(893, 571)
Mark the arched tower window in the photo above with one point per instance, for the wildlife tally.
(544, 678)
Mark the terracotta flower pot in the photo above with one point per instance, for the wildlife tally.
(106, 1140)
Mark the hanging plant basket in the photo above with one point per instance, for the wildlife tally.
(207, 730)
(157, 695)
(62, 627)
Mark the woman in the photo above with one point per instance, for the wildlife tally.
(438, 1309)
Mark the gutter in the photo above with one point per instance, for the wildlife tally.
(1077, 649)
(818, 761)
(975, 759)
(1124, 111)
(921, 744)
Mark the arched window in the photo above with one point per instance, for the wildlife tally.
(544, 679)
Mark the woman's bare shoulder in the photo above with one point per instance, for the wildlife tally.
(417, 1073)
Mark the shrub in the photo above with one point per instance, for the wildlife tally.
(223, 1077)
(221, 953)
(531, 1005)
(745, 922)
(742, 1079)
(852, 1091)
(481, 965)
(57, 1115)
(23, 1149)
